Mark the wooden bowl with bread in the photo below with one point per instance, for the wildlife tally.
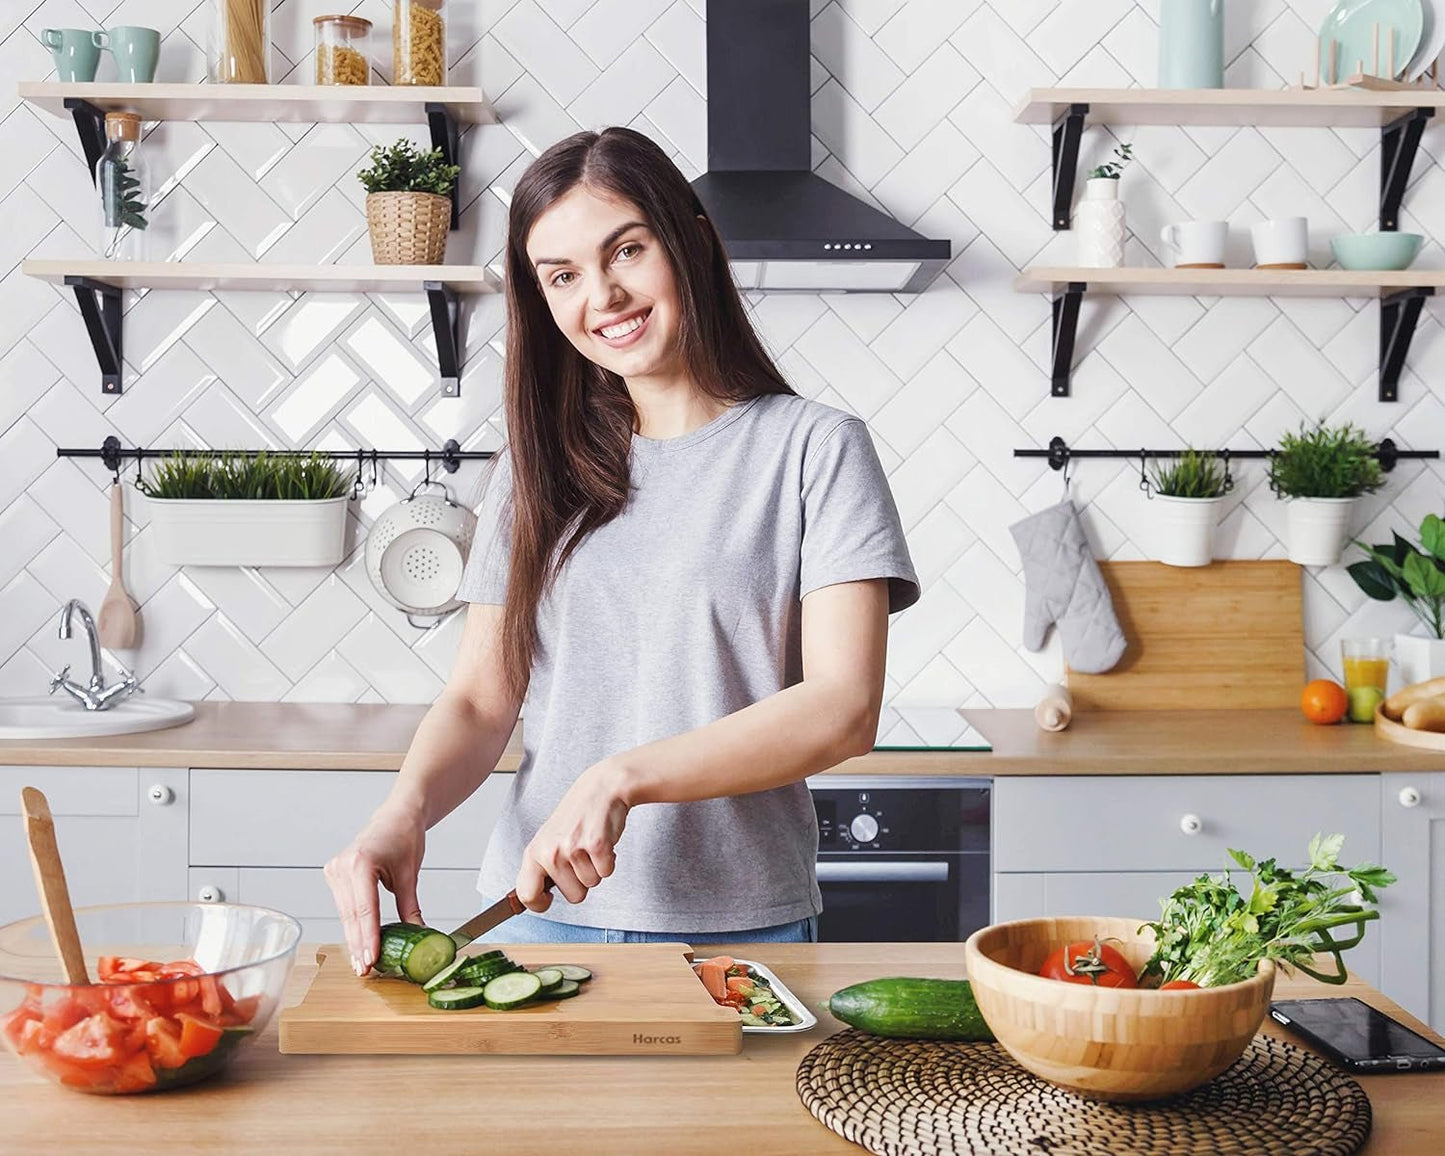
(1414, 716)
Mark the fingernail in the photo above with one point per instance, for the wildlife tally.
(356, 966)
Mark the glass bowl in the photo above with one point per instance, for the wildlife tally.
(178, 991)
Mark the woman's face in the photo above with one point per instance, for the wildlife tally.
(608, 283)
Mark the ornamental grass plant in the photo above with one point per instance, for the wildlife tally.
(204, 474)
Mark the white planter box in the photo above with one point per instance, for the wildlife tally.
(1184, 529)
(1318, 529)
(223, 532)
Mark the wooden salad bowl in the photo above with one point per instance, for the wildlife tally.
(1107, 1043)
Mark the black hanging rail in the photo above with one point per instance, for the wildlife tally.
(449, 457)
(1060, 454)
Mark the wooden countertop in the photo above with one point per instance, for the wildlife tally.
(546, 1105)
(1188, 742)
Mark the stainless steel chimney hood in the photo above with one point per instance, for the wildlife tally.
(784, 226)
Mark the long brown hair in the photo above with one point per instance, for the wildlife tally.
(569, 421)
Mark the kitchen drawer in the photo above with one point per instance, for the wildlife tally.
(1128, 823)
(448, 897)
(302, 818)
(73, 790)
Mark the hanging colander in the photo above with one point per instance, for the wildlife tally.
(416, 551)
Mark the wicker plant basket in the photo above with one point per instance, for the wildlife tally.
(408, 228)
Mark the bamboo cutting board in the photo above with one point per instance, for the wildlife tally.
(643, 1000)
(1228, 636)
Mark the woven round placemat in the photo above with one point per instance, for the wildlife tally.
(919, 1097)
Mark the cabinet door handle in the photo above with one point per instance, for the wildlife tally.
(210, 893)
(1191, 824)
(1409, 797)
(161, 795)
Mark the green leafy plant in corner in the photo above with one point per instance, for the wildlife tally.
(1415, 573)
(1193, 474)
(403, 168)
(1325, 462)
(1114, 169)
(1212, 933)
(226, 475)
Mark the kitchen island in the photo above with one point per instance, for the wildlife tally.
(531, 1104)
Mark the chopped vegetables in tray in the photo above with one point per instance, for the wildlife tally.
(737, 985)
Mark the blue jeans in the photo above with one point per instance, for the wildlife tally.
(529, 928)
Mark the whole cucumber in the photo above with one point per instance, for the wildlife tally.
(906, 1008)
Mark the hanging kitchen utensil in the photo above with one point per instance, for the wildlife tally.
(117, 618)
(50, 884)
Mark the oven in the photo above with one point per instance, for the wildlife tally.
(902, 859)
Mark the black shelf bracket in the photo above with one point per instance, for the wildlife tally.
(90, 124)
(100, 307)
(446, 136)
(1068, 132)
(1066, 329)
(446, 327)
(1399, 314)
(1399, 142)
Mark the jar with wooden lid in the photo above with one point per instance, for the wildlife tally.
(123, 183)
(419, 42)
(343, 49)
(240, 42)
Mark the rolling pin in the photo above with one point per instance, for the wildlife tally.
(1055, 710)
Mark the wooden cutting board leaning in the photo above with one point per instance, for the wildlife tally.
(643, 999)
(1228, 636)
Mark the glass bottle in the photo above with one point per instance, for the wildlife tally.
(419, 42)
(343, 49)
(124, 187)
(240, 41)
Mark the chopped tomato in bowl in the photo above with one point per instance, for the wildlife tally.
(145, 1024)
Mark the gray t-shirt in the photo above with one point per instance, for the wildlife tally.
(684, 608)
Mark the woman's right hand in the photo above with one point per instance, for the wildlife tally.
(388, 850)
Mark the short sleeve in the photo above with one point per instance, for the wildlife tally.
(851, 528)
(485, 577)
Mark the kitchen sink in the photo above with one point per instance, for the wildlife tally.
(63, 718)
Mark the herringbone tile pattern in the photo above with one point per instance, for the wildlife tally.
(911, 108)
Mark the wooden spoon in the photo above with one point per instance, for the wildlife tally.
(50, 883)
(117, 623)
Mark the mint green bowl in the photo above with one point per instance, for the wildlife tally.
(1373, 251)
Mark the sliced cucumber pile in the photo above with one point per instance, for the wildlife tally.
(500, 983)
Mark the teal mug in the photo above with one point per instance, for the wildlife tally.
(76, 55)
(135, 49)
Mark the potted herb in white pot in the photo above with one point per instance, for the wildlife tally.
(1186, 494)
(1322, 472)
(226, 509)
(1417, 575)
(408, 204)
(1099, 217)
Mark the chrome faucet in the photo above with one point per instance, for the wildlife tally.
(95, 695)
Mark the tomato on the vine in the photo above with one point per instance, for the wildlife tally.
(1095, 963)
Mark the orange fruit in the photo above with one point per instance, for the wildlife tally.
(1324, 702)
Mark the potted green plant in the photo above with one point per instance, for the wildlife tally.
(1321, 472)
(229, 509)
(1187, 493)
(408, 204)
(1099, 219)
(1416, 574)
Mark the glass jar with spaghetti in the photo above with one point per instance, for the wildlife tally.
(419, 42)
(343, 49)
(240, 42)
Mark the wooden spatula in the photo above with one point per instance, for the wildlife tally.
(117, 620)
(50, 883)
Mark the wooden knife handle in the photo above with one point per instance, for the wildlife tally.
(50, 883)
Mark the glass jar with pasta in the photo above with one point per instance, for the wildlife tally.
(343, 49)
(240, 42)
(419, 42)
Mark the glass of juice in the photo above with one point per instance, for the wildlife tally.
(1367, 671)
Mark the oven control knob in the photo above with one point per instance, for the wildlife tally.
(864, 828)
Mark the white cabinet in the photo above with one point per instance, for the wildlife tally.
(1412, 910)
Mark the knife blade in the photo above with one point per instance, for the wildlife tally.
(495, 915)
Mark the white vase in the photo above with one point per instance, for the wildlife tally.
(1419, 658)
(1318, 529)
(243, 532)
(1184, 529)
(1099, 225)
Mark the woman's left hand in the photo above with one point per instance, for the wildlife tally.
(574, 847)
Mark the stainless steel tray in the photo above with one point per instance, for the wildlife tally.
(806, 1019)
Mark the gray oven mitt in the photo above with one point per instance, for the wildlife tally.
(1063, 585)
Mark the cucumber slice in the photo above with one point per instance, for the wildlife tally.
(456, 998)
(512, 990)
(564, 990)
(445, 976)
(480, 974)
(550, 977)
(413, 952)
(569, 971)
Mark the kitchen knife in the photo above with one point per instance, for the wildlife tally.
(499, 912)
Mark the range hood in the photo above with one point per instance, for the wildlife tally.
(784, 226)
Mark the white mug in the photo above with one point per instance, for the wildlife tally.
(1197, 244)
(1282, 244)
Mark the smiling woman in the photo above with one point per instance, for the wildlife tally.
(686, 569)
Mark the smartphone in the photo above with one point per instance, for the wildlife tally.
(1357, 1036)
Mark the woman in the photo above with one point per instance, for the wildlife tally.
(684, 566)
